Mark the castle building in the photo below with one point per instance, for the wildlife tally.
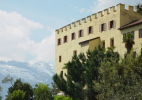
(105, 28)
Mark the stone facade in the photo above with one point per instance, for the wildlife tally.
(101, 28)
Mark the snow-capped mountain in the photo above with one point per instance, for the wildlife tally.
(31, 73)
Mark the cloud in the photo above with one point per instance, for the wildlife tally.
(15, 44)
(82, 10)
(45, 50)
(100, 5)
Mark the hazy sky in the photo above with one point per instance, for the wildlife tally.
(27, 26)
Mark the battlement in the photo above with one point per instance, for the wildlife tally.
(97, 15)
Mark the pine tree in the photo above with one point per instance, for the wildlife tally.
(74, 82)
(82, 72)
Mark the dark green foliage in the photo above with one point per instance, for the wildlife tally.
(139, 9)
(54, 89)
(60, 81)
(8, 79)
(0, 91)
(42, 92)
(19, 85)
(82, 71)
(93, 63)
(102, 76)
(17, 95)
(75, 82)
(128, 39)
(61, 98)
(121, 81)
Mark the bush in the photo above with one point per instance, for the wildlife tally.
(17, 95)
(42, 92)
(61, 98)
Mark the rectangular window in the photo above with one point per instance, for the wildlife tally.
(103, 27)
(111, 24)
(65, 39)
(103, 44)
(133, 35)
(140, 33)
(80, 33)
(75, 52)
(112, 42)
(124, 35)
(134, 54)
(72, 36)
(59, 41)
(90, 29)
(125, 55)
(60, 58)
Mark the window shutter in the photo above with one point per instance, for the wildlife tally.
(100, 29)
(78, 33)
(91, 29)
(88, 30)
(139, 33)
(114, 24)
(82, 33)
(64, 39)
(104, 26)
(109, 25)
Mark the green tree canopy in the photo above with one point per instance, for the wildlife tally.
(8, 79)
(128, 39)
(17, 95)
(82, 70)
(19, 85)
(121, 81)
(139, 8)
(0, 94)
(42, 92)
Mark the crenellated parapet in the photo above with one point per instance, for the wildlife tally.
(95, 16)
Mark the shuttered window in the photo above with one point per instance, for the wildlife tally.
(103, 27)
(72, 36)
(60, 58)
(111, 24)
(80, 33)
(65, 39)
(103, 44)
(90, 29)
(112, 42)
(133, 35)
(140, 33)
(59, 41)
(75, 52)
(134, 54)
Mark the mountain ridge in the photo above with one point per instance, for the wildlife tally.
(30, 73)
